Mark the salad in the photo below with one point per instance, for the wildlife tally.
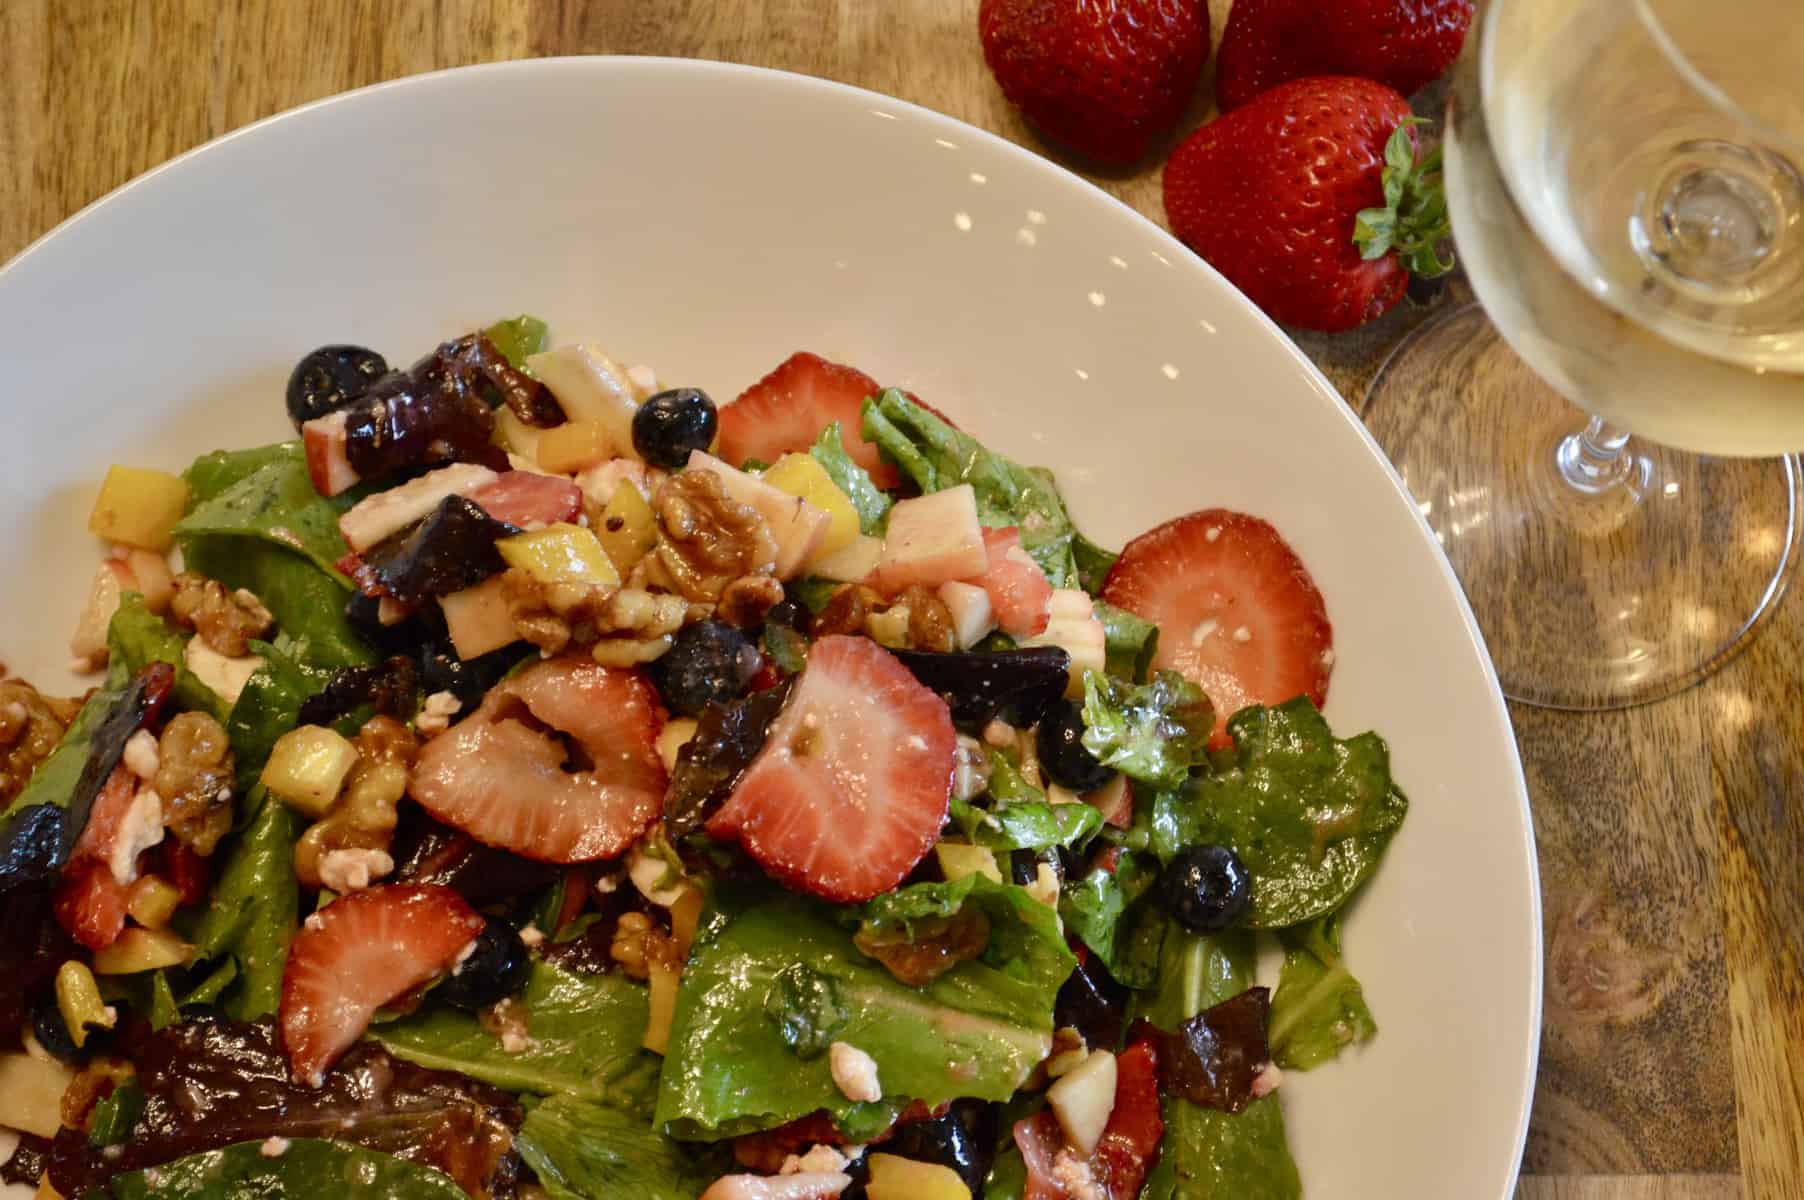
(534, 781)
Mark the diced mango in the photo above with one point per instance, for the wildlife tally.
(31, 1093)
(568, 448)
(561, 553)
(663, 980)
(957, 860)
(307, 768)
(139, 507)
(626, 527)
(479, 619)
(78, 1000)
(138, 950)
(896, 1178)
(804, 478)
(152, 900)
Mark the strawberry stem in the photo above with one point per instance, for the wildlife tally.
(1413, 221)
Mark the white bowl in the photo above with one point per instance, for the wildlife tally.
(708, 220)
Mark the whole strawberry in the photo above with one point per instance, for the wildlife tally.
(1104, 77)
(1407, 44)
(1312, 201)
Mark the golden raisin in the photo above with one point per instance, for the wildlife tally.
(194, 777)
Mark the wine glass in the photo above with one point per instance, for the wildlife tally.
(1624, 180)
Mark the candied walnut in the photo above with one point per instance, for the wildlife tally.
(639, 945)
(706, 539)
(31, 724)
(225, 621)
(194, 777)
(556, 617)
(367, 810)
(929, 947)
(915, 620)
(745, 601)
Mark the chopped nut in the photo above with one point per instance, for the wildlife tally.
(745, 601)
(916, 620)
(365, 815)
(31, 724)
(194, 777)
(706, 538)
(638, 945)
(555, 617)
(225, 621)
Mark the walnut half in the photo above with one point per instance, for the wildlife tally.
(707, 539)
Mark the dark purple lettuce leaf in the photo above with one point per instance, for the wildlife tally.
(1214, 1057)
(428, 851)
(435, 412)
(452, 549)
(29, 1159)
(391, 687)
(727, 739)
(214, 1082)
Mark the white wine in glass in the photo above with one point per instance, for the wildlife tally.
(1624, 183)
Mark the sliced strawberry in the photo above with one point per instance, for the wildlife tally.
(181, 866)
(530, 500)
(505, 775)
(357, 954)
(90, 901)
(1236, 610)
(787, 409)
(1020, 594)
(854, 780)
(1121, 1160)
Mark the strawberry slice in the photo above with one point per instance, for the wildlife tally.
(357, 954)
(1020, 594)
(90, 902)
(506, 775)
(530, 500)
(1121, 1160)
(1236, 610)
(787, 409)
(854, 780)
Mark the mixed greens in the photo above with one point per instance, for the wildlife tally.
(535, 777)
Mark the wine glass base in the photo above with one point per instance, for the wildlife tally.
(1593, 598)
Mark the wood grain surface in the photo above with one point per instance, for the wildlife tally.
(1671, 836)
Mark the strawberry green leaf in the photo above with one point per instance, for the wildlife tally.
(1413, 221)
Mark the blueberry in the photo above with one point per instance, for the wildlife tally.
(1207, 888)
(671, 424)
(329, 378)
(1062, 753)
(495, 970)
(790, 615)
(1024, 865)
(957, 1140)
(52, 1034)
(708, 661)
(441, 670)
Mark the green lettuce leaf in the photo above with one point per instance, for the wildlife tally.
(978, 1030)
(1116, 915)
(937, 456)
(211, 474)
(137, 637)
(268, 707)
(1093, 563)
(517, 337)
(1309, 814)
(1153, 732)
(871, 504)
(1208, 1154)
(1129, 642)
(254, 908)
(585, 1032)
(1319, 1008)
(584, 1151)
(54, 781)
(309, 1169)
(1027, 824)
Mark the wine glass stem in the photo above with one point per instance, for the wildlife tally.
(1594, 460)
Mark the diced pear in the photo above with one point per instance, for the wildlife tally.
(853, 564)
(572, 447)
(150, 577)
(225, 676)
(797, 525)
(391, 510)
(626, 528)
(663, 980)
(973, 619)
(152, 900)
(307, 768)
(897, 1178)
(590, 386)
(31, 1093)
(479, 619)
(676, 732)
(931, 539)
(138, 950)
(561, 553)
(89, 640)
(78, 1000)
(1073, 625)
(803, 477)
(1083, 1098)
(516, 436)
(139, 507)
(958, 859)
(328, 460)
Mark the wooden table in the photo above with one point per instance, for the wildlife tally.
(1672, 853)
